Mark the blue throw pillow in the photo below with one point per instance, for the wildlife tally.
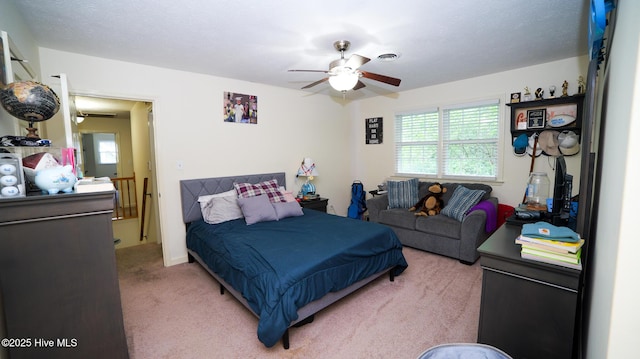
(461, 201)
(403, 194)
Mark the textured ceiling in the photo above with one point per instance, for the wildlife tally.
(258, 41)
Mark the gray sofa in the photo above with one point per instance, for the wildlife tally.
(438, 234)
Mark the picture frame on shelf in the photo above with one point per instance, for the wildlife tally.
(515, 97)
(536, 118)
(561, 115)
(521, 121)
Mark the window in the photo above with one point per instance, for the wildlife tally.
(453, 142)
(108, 154)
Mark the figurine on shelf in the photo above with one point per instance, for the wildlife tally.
(539, 93)
(552, 90)
(527, 94)
(580, 85)
(565, 86)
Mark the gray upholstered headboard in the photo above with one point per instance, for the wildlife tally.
(191, 189)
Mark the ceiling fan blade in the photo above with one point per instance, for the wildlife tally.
(356, 61)
(316, 83)
(359, 85)
(382, 78)
(325, 71)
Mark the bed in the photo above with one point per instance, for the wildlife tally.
(285, 271)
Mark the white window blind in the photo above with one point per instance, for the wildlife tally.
(470, 140)
(417, 143)
(455, 142)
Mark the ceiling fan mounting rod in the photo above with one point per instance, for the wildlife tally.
(342, 46)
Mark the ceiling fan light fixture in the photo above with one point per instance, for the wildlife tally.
(344, 81)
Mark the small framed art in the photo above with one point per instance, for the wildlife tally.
(536, 118)
(373, 128)
(515, 97)
(240, 108)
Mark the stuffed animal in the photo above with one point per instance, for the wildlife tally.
(431, 203)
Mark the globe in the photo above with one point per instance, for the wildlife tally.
(29, 101)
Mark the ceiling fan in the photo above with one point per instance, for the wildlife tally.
(344, 74)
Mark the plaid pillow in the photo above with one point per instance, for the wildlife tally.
(270, 188)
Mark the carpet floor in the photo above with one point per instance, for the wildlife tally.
(178, 312)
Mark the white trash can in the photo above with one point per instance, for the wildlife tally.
(464, 351)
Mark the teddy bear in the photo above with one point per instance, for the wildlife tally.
(431, 203)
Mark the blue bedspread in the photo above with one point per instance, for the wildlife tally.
(280, 266)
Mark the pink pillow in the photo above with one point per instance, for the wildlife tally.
(289, 197)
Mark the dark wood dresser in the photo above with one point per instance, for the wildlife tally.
(58, 278)
(528, 308)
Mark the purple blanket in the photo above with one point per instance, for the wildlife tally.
(492, 214)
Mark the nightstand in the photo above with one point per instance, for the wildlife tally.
(319, 204)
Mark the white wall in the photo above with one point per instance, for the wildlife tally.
(374, 163)
(614, 325)
(292, 124)
(190, 130)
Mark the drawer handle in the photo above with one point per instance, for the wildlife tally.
(530, 279)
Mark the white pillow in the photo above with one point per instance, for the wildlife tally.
(220, 207)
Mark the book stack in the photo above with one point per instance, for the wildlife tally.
(93, 185)
(539, 246)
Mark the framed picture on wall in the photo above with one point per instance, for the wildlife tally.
(373, 129)
(240, 108)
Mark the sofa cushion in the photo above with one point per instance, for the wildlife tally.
(402, 194)
(451, 187)
(461, 201)
(398, 217)
(439, 225)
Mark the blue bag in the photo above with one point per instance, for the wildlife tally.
(358, 201)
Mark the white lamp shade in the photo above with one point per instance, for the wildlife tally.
(343, 81)
(307, 168)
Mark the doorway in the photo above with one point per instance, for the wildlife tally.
(115, 139)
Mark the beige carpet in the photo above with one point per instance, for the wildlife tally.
(178, 312)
